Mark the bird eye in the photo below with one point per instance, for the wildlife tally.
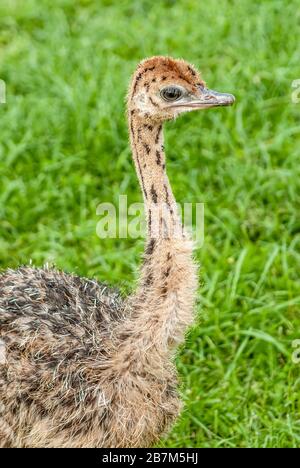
(171, 93)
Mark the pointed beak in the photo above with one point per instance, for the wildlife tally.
(210, 98)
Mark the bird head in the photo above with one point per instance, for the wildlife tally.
(162, 88)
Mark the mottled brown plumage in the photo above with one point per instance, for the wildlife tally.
(79, 365)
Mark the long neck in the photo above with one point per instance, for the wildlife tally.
(149, 158)
(164, 299)
(161, 308)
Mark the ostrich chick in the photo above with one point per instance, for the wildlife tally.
(79, 365)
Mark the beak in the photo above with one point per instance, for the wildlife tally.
(210, 98)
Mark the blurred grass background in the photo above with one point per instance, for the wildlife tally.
(64, 149)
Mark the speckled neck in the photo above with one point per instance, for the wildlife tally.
(149, 156)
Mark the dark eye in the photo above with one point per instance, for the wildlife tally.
(171, 93)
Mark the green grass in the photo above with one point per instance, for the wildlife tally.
(64, 148)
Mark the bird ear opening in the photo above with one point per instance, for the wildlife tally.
(141, 101)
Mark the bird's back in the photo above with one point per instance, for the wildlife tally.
(54, 329)
(58, 305)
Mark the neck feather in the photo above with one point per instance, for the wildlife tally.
(162, 306)
(149, 157)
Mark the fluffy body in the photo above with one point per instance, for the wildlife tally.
(84, 367)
